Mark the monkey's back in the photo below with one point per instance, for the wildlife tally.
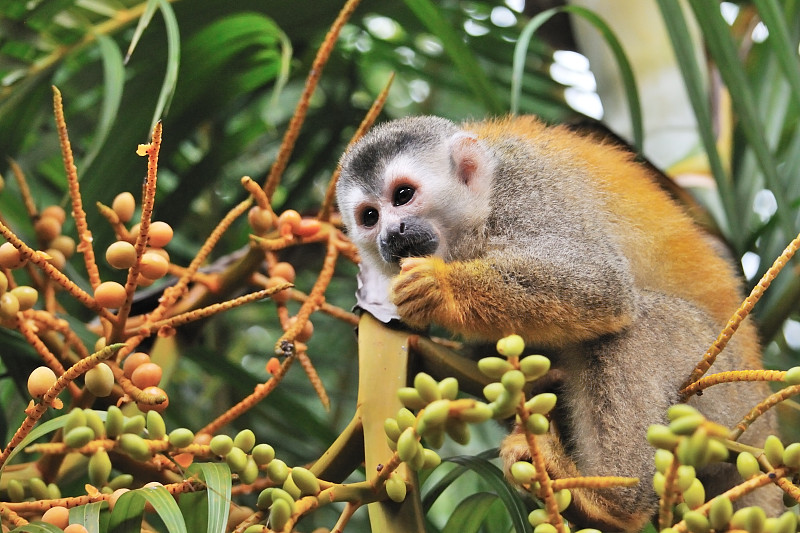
(667, 252)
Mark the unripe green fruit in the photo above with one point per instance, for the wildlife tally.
(680, 410)
(277, 471)
(480, 412)
(523, 472)
(747, 465)
(180, 437)
(534, 366)
(427, 387)
(538, 516)
(492, 391)
(122, 481)
(134, 424)
(659, 483)
(720, 512)
(236, 459)
(432, 459)
(660, 436)
(418, 461)
(114, 422)
(663, 460)
(563, 499)
(39, 489)
(99, 468)
(396, 488)
(458, 430)
(263, 454)
(16, 491)
(280, 494)
(245, 440)
(717, 451)
(436, 412)
(405, 419)
(156, 428)
(221, 444)
(785, 523)
(26, 296)
(392, 429)
(696, 522)
(693, 450)
(78, 437)
(686, 424)
(773, 449)
(434, 437)
(264, 499)
(75, 419)
(255, 528)
(545, 528)
(541, 403)
(506, 404)
(407, 445)
(291, 487)
(791, 455)
(494, 367)
(686, 475)
(94, 421)
(511, 346)
(792, 376)
(135, 446)
(448, 388)
(750, 518)
(513, 381)
(250, 472)
(279, 514)
(410, 397)
(695, 495)
(54, 490)
(305, 481)
(537, 424)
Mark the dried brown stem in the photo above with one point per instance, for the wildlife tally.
(733, 376)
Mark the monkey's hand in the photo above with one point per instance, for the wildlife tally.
(420, 291)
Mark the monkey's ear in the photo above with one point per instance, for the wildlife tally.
(471, 162)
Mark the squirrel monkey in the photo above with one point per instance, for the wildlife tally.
(510, 226)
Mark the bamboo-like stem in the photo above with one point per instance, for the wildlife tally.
(733, 376)
(764, 405)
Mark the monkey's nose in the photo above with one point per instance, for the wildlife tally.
(402, 228)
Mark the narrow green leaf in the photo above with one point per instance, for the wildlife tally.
(165, 506)
(493, 476)
(113, 83)
(723, 50)
(781, 44)
(217, 477)
(694, 80)
(475, 77)
(87, 515)
(144, 21)
(127, 514)
(626, 72)
(42, 429)
(469, 515)
(173, 62)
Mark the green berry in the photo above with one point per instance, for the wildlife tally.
(534, 366)
(396, 488)
(427, 387)
(249, 473)
(407, 445)
(448, 388)
(720, 512)
(221, 444)
(523, 472)
(494, 367)
(773, 449)
(392, 429)
(458, 430)
(236, 459)
(99, 468)
(277, 471)
(279, 514)
(791, 455)
(792, 376)
(410, 397)
(541, 403)
(511, 346)
(79, 437)
(695, 495)
(180, 437)
(696, 522)
(747, 465)
(263, 454)
(135, 446)
(305, 481)
(156, 428)
(114, 422)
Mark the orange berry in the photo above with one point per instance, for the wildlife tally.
(26, 296)
(133, 361)
(146, 375)
(121, 254)
(142, 281)
(40, 381)
(288, 221)
(75, 528)
(283, 270)
(55, 211)
(160, 251)
(112, 501)
(159, 234)
(307, 227)
(280, 297)
(10, 256)
(261, 220)
(65, 244)
(305, 333)
(273, 365)
(153, 391)
(153, 266)
(110, 294)
(124, 205)
(3, 283)
(57, 257)
(47, 228)
(57, 516)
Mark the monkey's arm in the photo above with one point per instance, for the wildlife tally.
(552, 298)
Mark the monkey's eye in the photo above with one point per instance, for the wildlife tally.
(369, 217)
(403, 194)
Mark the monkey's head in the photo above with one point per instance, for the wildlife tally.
(412, 188)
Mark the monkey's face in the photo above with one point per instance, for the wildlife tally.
(413, 188)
